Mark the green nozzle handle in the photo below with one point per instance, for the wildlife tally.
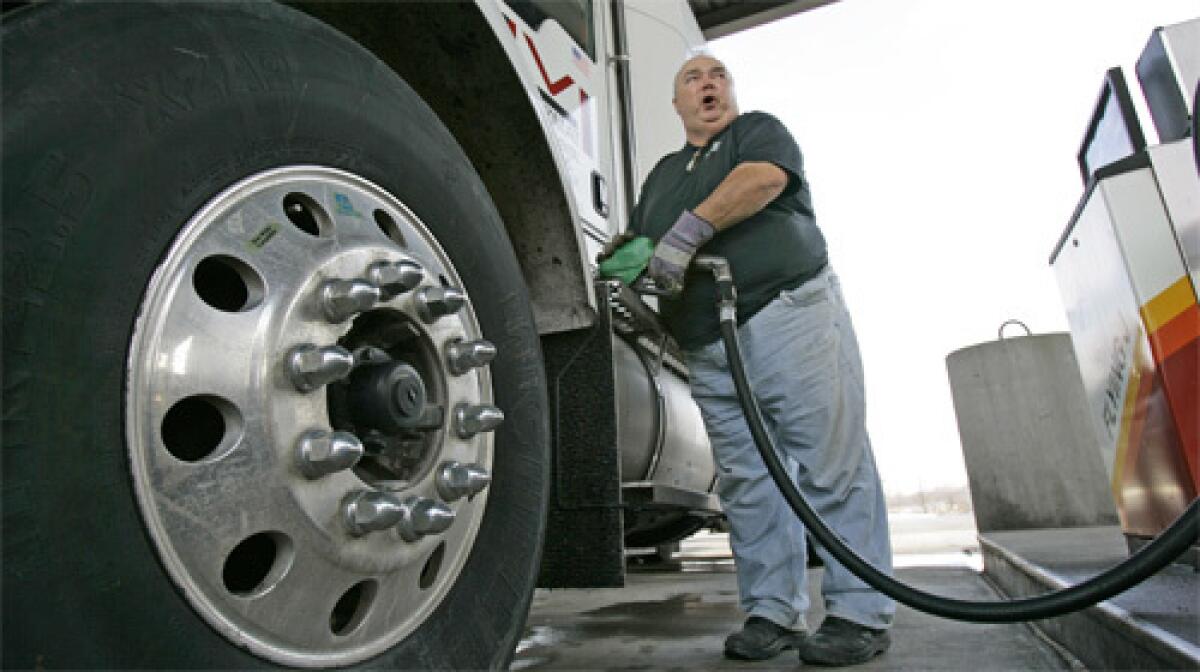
(628, 261)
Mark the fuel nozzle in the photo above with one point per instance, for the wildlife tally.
(726, 291)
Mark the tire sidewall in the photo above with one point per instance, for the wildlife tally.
(117, 146)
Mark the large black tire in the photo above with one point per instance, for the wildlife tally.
(119, 122)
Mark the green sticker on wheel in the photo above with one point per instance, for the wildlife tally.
(263, 236)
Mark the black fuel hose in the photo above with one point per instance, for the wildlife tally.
(1172, 543)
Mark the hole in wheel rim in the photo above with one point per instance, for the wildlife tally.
(227, 284)
(352, 608)
(306, 214)
(390, 228)
(257, 563)
(199, 426)
(433, 566)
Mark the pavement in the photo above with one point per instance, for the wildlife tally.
(676, 615)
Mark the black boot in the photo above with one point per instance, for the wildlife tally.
(760, 639)
(840, 642)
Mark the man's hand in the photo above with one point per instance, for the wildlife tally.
(615, 244)
(675, 250)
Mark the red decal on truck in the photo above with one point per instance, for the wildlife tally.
(555, 87)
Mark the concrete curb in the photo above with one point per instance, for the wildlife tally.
(1104, 636)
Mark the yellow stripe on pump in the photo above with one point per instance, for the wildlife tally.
(1168, 304)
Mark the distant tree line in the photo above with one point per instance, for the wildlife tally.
(936, 500)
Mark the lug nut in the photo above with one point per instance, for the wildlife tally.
(471, 420)
(343, 299)
(462, 356)
(371, 511)
(456, 480)
(311, 367)
(434, 303)
(394, 278)
(423, 517)
(320, 453)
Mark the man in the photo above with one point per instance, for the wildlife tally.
(737, 190)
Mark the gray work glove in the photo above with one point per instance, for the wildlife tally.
(615, 244)
(675, 250)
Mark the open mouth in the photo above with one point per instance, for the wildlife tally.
(708, 102)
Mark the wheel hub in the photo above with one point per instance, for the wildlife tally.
(388, 396)
(316, 327)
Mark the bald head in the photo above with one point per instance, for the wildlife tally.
(694, 66)
(704, 98)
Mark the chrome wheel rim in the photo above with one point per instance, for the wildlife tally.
(309, 435)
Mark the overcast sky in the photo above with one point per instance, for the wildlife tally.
(940, 138)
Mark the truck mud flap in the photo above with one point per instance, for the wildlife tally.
(584, 536)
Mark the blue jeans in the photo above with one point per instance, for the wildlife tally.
(802, 359)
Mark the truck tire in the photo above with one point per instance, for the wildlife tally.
(229, 234)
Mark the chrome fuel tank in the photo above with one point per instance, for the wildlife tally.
(661, 433)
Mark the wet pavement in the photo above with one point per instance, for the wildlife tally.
(676, 615)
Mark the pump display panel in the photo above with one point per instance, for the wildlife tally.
(1114, 132)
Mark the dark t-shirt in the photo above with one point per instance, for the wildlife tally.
(777, 248)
